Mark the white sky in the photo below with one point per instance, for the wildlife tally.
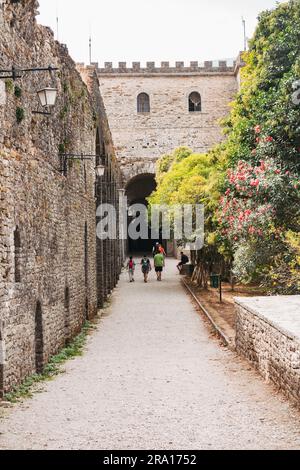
(152, 30)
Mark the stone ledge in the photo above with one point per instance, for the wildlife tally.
(270, 310)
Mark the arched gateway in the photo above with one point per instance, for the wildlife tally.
(138, 189)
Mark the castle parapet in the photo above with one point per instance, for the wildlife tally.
(194, 67)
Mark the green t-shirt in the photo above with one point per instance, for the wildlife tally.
(159, 260)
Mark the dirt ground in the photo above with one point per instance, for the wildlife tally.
(210, 299)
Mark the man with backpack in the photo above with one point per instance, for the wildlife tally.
(146, 267)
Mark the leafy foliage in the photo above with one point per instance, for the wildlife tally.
(262, 188)
(20, 115)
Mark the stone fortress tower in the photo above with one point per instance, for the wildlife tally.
(153, 110)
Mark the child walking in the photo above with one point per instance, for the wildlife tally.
(131, 269)
(146, 267)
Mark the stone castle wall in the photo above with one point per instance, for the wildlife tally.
(141, 138)
(49, 281)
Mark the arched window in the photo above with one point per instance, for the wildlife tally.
(17, 248)
(143, 103)
(195, 102)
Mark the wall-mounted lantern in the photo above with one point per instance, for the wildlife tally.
(47, 97)
(100, 170)
(65, 157)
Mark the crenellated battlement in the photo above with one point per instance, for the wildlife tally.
(164, 68)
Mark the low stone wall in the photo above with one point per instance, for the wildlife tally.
(268, 334)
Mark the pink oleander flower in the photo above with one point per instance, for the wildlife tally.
(263, 165)
(257, 129)
(254, 183)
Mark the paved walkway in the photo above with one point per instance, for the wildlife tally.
(153, 378)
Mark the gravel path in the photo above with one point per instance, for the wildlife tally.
(153, 378)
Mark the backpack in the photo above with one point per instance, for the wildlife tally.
(145, 263)
(131, 264)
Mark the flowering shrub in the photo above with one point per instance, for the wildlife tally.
(250, 203)
(260, 204)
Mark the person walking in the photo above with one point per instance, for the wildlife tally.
(159, 263)
(146, 267)
(131, 269)
(162, 250)
(156, 249)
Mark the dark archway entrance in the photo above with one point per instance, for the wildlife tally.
(138, 190)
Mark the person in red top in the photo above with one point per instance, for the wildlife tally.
(158, 249)
(131, 269)
(162, 251)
